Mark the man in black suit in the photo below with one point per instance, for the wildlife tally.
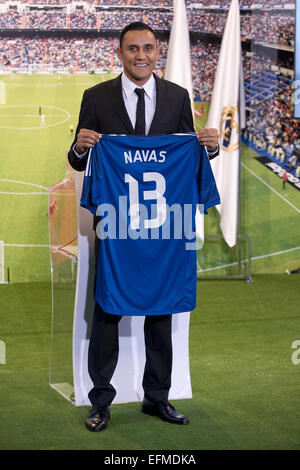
(119, 106)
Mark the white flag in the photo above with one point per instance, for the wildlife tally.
(178, 70)
(224, 115)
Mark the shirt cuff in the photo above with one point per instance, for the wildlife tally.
(215, 153)
(77, 154)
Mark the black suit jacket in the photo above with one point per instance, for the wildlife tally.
(103, 110)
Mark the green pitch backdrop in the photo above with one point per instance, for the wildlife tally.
(245, 382)
(33, 157)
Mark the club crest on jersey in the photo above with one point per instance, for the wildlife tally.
(144, 155)
(229, 129)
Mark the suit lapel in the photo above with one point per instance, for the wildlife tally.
(116, 96)
(161, 105)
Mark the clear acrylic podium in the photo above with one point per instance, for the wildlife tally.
(71, 238)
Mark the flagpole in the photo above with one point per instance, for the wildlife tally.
(242, 123)
(239, 192)
(239, 211)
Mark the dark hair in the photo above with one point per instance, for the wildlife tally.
(136, 26)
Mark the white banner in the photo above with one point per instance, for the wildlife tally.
(128, 375)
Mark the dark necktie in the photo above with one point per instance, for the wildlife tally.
(140, 112)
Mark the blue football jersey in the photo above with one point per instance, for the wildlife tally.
(145, 191)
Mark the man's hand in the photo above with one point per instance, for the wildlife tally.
(86, 139)
(210, 138)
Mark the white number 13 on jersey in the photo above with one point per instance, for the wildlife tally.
(157, 194)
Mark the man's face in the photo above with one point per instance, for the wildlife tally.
(139, 53)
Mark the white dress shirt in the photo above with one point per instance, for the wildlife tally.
(130, 99)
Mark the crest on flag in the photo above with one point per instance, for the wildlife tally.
(229, 131)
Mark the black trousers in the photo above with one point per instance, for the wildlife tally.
(104, 351)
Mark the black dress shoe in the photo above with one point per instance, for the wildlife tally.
(165, 412)
(97, 420)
